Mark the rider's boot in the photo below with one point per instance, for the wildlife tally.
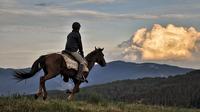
(79, 75)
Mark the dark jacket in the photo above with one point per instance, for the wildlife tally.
(74, 42)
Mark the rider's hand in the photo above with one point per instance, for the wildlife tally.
(81, 53)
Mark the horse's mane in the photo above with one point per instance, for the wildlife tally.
(90, 55)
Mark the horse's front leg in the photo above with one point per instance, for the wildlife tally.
(74, 90)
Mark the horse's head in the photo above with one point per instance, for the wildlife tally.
(99, 56)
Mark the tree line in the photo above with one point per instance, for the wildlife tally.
(180, 90)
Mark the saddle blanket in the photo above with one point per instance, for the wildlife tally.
(71, 63)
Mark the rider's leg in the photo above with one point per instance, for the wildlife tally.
(80, 72)
(81, 65)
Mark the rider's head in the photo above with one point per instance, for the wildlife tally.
(76, 26)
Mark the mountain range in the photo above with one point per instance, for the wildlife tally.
(116, 70)
(120, 70)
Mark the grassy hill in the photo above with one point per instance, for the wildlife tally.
(27, 104)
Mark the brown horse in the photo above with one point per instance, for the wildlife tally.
(54, 64)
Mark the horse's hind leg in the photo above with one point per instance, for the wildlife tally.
(46, 77)
(40, 87)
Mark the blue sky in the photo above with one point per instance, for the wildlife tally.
(32, 28)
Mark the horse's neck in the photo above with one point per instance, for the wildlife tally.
(90, 65)
(91, 61)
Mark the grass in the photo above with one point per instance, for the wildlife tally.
(28, 104)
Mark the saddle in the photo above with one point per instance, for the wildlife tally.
(71, 62)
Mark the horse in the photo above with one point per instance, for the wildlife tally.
(54, 64)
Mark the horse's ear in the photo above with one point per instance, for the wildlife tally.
(95, 48)
(102, 49)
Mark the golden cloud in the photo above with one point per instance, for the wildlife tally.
(162, 43)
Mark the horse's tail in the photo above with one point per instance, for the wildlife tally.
(21, 75)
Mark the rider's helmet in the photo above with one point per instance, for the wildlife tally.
(76, 26)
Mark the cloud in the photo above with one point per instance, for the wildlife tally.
(79, 2)
(41, 4)
(97, 1)
(23, 28)
(50, 10)
(15, 7)
(162, 43)
(59, 11)
(8, 3)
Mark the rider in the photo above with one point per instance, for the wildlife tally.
(74, 47)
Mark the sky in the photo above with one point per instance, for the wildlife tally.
(158, 31)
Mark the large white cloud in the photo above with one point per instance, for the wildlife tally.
(162, 43)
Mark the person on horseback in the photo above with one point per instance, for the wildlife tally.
(75, 48)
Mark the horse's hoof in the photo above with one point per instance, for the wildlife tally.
(68, 91)
(69, 98)
(36, 96)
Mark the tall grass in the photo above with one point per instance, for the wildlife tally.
(28, 104)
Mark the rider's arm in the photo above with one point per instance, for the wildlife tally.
(80, 46)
